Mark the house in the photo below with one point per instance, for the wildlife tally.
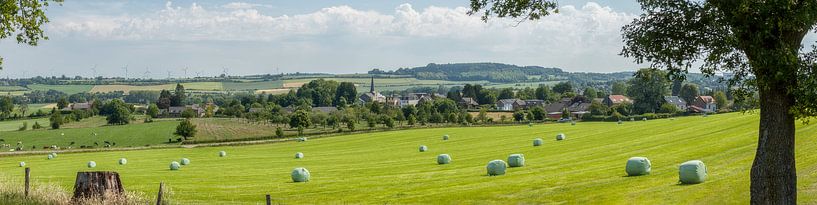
(534, 103)
(577, 108)
(558, 106)
(372, 96)
(79, 106)
(510, 104)
(176, 111)
(704, 104)
(468, 103)
(678, 102)
(611, 100)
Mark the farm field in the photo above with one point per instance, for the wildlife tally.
(385, 84)
(69, 89)
(386, 167)
(13, 125)
(133, 135)
(208, 86)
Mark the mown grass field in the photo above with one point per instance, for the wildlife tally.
(135, 135)
(386, 167)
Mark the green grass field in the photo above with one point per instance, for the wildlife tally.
(69, 89)
(386, 167)
(134, 135)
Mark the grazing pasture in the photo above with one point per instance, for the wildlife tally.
(68, 89)
(386, 167)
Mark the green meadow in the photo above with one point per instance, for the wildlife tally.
(387, 168)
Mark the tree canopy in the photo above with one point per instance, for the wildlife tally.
(23, 19)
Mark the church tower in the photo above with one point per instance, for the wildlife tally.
(372, 86)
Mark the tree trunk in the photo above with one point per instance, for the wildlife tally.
(773, 175)
(96, 184)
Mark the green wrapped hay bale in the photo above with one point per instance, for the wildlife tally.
(637, 166)
(692, 172)
(299, 155)
(561, 136)
(50, 156)
(423, 148)
(22, 164)
(174, 165)
(516, 160)
(538, 142)
(445, 137)
(91, 164)
(496, 167)
(184, 161)
(300, 174)
(222, 154)
(443, 159)
(123, 161)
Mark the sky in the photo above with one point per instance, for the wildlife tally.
(159, 39)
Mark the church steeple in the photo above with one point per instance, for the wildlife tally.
(372, 86)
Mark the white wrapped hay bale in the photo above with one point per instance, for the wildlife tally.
(516, 160)
(644, 119)
(184, 161)
(222, 154)
(174, 165)
(300, 174)
(637, 166)
(445, 137)
(22, 164)
(692, 172)
(50, 156)
(561, 136)
(443, 159)
(302, 139)
(538, 142)
(299, 155)
(572, 122)
(54, 154)
(123, 161)
(91, 164)
(423, 148)
(619, 122)
(496, 167)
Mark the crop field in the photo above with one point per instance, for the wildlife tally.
(69, 89)
(207, 86)
(386, 167)
(256, 85)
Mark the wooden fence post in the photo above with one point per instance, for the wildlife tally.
(28, 178)
(269, 201)
(161, 189)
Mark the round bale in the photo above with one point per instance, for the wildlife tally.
(50, 156)
(222, 154)
(174, 165)
(561, 136)
(496, 167)
(54, 154)
(637, 166)
(443, 159)
(692, 172)
(644, 119)
(516, 160)
(538, 142)
(572, 122)
(184, 161)
(423, 148)
(299, 155)
(300, 174)
(445, 137)
(22, 164)
(91, 164)
(619, 122)
(123, 161)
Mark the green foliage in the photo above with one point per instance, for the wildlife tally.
(24, 127)
(300, 119)
(647, 89)
(120, 114)
(721, 101)
(668, 108)
(24, 19)
(153, 110)
(188, 113)
(598, 108)
(165, 99)
(563, 87)
(186, 129)
(321, 92)
(543, 92)
(56, 119)
(36, 126)
(538, 113)
(689, 92)
(590, 93)
(346, 92)
(7, 106)
(519, 116)
(531, 10)
(619, 88)
(279, 132)
(506, 93)
(179, 96)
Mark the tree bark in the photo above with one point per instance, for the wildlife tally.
(96, 184)
(773, 174)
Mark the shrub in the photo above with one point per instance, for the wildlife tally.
(692, 172)
(174, 165)
(538, 142)
(299, 155)
(184, 161)
(423, 148)
(91, 164)
(496, 167)
(300, 174)
(516, 160)
(279, 132)
(561, 136)
(123, 161)
(637, 166)
(36, 126)
(443, 159)
(222, 154)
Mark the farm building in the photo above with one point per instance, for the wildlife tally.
(576, 107)
(611, 100)
(510, 104)
(79, 106)
(201, 110)
(704, 104)
(468, 103)
(534, 103)
(678, 102)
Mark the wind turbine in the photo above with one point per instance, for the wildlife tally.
(225, 72)
(168, 74)
(126, 71)
(93, 69)
(198, 74)
(146, 75)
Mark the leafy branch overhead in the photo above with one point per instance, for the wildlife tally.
(525, 9)
(24, 20)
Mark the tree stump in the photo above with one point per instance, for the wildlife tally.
(96, 184)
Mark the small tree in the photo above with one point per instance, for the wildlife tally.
(565, 113)
(186, 129)
(389, 122)
(153, 110)
(300, 119)
(279, 132)
(519, 116)
(56, 120)
(62, 103)
(188, 113)
(119, 116)
(412, 120)
(36, 126)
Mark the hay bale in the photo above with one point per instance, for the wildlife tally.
(50, 156)
(637, 166)
(561, 136)
(174, 165)
(299, 155)
(443, 159)
(91, 164)
(300, 174)
(184, 161)
(516, 160)
(222, 154)
(302, 139)
(530, 124)
(619, 122)
(572, 122)
(123, 161)
(423, 148)
(692, 172)
(538, 142)
(632, 119)
(445, 137)
(22, 164)
(496, 167)
(54, 154)
(644, 119)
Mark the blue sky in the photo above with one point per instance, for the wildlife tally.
(157, 39)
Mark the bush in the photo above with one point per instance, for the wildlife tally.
(443, 159)
(300, 174)
(36, 126)
(516, 160)
(279, 132)
(496, 167)
(24, 127)
(637, 166)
